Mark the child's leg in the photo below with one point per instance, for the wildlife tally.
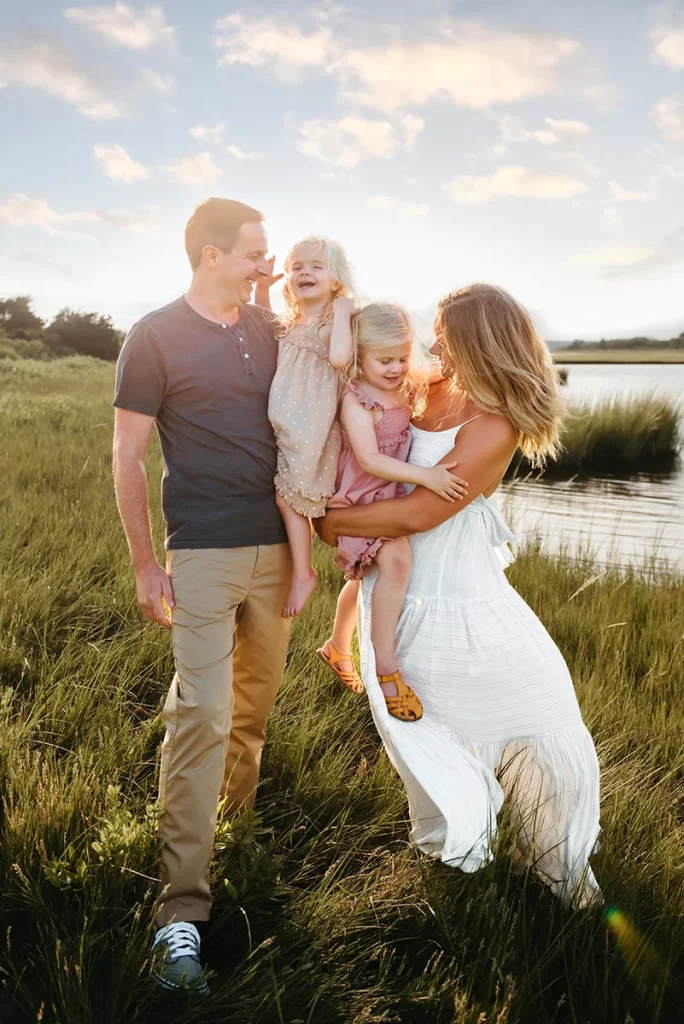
(394, 565)
(304, 577)
(345, 623)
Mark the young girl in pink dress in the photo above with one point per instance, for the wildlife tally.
(380, 396)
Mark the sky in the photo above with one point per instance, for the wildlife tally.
(532, 145)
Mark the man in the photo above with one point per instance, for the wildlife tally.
(201, 369)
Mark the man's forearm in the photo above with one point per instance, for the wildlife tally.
(130, 481)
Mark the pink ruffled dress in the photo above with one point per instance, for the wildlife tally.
(356, 487)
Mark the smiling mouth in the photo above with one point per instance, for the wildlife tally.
(306, 284)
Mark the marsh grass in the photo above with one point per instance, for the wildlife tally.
(617, 434)
(323, 913)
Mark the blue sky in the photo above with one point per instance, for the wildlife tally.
(537, 146)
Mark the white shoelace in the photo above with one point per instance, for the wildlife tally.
(181, 939)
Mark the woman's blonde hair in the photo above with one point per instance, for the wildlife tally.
(379, 326)
(503, 365)
(335, 259)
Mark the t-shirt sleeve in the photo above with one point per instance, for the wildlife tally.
(140, 373)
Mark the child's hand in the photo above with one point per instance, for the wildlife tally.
(444, 483)
(268, 282)
(343, 306)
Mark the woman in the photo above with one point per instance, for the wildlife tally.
(501, 718)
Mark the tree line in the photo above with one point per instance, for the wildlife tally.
(628, 343)
(23, 334)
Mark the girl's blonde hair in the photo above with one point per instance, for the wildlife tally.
(503, 365)
(335, 259)
(379, 326)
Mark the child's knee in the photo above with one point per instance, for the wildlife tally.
(396, 560)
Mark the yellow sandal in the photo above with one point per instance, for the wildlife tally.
(405, 706)
(352, 680)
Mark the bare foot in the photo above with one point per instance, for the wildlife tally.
(301, 589)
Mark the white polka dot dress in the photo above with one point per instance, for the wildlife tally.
(302, 409)
(501, 718)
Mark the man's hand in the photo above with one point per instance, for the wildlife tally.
(152, 585)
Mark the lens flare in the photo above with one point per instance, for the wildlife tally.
(643, 961)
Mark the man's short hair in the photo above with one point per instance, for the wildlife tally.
(217, 222)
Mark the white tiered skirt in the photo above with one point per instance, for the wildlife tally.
(501, 719)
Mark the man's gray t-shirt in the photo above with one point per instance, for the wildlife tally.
(207, 386)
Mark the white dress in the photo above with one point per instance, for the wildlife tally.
(501, 719)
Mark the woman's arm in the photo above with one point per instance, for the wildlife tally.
(360, 426)
(483, 450)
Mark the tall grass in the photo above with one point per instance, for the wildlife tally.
(617, 434)
(323, 913)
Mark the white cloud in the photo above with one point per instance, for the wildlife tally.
(42, 62)
(556, 133)
(159, 83)
(467, 63)
(196, 171)
(240, 154)
(20, 211)
(278, 42)
(23, 212)
(668, 115)
(623, 195)
(121, 24)
(571, 156)
(602, 96)
(512, 130)
(144, 221)
(348, 141)
(512, 180)
(211, 133)
(411, 126)
(118, 165)
(567, 129)
(55, 264)
(667, 37)
(407, 211)
(613, 256)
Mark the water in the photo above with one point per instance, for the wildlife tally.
(623, 520)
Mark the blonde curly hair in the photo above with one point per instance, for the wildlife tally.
(337, 263)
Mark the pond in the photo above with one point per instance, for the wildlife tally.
(623, 520)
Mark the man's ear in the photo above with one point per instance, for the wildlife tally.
(210, 255)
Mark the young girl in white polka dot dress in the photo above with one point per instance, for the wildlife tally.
(315, 344)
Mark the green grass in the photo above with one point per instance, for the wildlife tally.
(636, 433)
(323, 913)
(619, 355)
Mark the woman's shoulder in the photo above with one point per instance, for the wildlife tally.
(494, 426)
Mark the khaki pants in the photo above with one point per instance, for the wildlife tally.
(229, 644)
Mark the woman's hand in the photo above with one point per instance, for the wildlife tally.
(324, 527)
(441, 481)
